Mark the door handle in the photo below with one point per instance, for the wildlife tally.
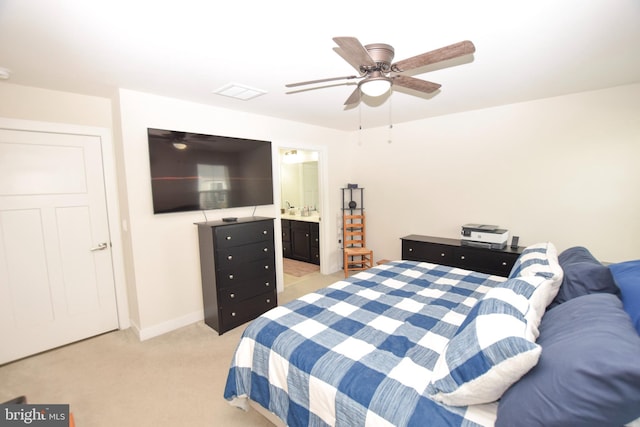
(101, 247)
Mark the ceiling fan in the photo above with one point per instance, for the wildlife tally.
(378, 74)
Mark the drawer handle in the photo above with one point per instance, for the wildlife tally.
(317, 240)
(410, 249)
(230, 257)
(267, 284)
(264, 232)
(228, 237)
(266, 267)
(265, 250)
(233, 314)
(231, 276)
(504, 263)
(232, 295)
(442, 254)
(462, 257)
(268, 300)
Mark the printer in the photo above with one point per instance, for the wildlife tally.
(484, 236)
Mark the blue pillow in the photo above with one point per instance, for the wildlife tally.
(588, 373)
(627, 277)
(576, 254)
(583, 275)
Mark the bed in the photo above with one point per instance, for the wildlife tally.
(412, 344)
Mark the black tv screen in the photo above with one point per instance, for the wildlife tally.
(191, 171)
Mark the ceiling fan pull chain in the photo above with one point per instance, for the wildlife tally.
(359, 123)
(390, 139)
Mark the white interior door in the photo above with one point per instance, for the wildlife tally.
(56, 273)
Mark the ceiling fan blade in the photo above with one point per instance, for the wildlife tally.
(307, 89)
(448, 52)
(353, 63)
(354, 98)
(330, 79)
(415, 84)
(354, 52)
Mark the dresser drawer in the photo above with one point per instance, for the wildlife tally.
(262, 269)
(427, 252)
(242, 234)
(301, 225)
(235, 256)
(232, 295)
(485, 260)
(247, 310)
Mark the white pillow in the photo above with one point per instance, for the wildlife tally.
(496, 344)
(491, 350)
(540, 259)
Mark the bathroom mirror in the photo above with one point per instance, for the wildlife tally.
(299, 179)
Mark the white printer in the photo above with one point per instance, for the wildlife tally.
(484, 236)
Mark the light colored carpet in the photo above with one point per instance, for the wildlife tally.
(173, 380)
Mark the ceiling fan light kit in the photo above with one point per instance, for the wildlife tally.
(378, 74)
(375, 86)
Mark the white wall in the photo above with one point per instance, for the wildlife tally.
(562, 169)
(30, 103)
(164, 268)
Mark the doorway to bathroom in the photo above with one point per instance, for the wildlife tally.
(300, 212)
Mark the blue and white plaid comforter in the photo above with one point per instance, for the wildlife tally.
(361, 351)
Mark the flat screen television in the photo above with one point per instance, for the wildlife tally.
(191, 171)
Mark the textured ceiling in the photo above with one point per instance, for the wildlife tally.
(188, 49)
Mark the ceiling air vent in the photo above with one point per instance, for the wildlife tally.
(238, 91)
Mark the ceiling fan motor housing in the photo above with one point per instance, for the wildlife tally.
(382, 54)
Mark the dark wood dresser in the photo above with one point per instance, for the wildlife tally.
(451, 252)
(237, 263)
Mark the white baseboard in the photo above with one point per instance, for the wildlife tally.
(168, 326)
